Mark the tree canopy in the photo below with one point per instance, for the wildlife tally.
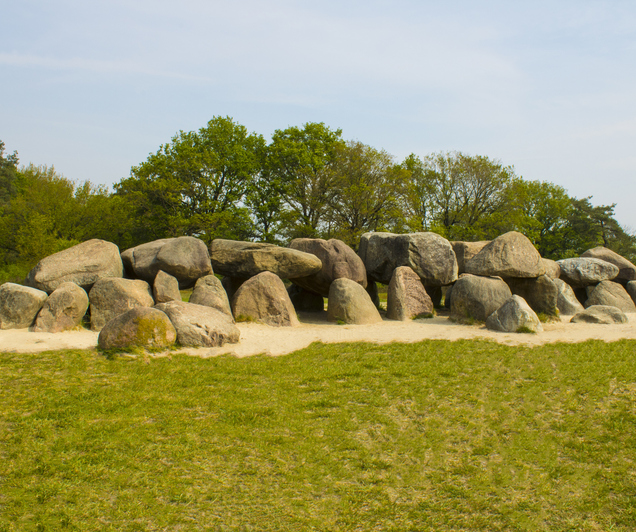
(195, 184)
(224, 181)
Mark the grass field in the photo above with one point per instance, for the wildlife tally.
(468, 435)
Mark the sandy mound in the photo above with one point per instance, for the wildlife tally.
(274, 341)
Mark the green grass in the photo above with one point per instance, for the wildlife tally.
(439, 436)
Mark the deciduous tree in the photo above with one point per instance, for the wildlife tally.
(195, 184)
(367, 188)
(301, 159)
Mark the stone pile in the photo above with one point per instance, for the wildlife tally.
(134, 298)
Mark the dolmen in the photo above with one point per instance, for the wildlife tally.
(134, 298)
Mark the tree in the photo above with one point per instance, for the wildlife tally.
(463, 192)
(265, 202)
(367, 187)
(195, 184)
(540, 211)
(8, 174)
(41, 218)
(595, 226)
(300, 159)
(419, 191)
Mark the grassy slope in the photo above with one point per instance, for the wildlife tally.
(430, 436)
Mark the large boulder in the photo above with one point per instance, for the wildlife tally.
(509, 255)
(406, 296)
(552, 269)
(185, 258)
(338, 261)
(306, 301)
(138, 327)
(429, 255)
(209, 292)
(567, 302)
(63, 310)
(631, 290)
(476, 298)
(19, 305)
(464, 251)
(199, 326)
(584, 271)
(247, 259)
(610, 294)
(600, 314)
(515, 315)
(82, 264)
(626, 270)
(165, 288)
(264, 299)
(111, 297)
(540, 293)
(350, 303)
(140, 261)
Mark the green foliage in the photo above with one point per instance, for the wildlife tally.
(194, 184)
(525, 330)
(301, 160)
(224, 182)
(547, 318)
(241, 318)
(438, 435)
(8, 175)
(424, 316)
(462, 193)
(595, 226)
(40, 218)
(367, 187)
(539, 210)
(417, 203)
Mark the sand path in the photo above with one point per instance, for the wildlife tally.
(256, 338)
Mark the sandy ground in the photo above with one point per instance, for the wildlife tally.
(256, 338)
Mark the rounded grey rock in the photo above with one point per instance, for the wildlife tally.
(19, 305)
(515, 315)
(584, 271)
(600, 314)
(264, 299)
(429, 255)
(209, 292)
(165, 288)
(611, 294)
(138, 327)
(406, 296)
(247, 259)
(186, 258)
(476, 298)
(509, 255)
(626, 270)
(63, 310)
(338, 261)
(199, 326)
(111, 297)
(350, 303)
(83, 264)
(567, 302)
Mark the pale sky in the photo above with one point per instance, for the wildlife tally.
(93, 87)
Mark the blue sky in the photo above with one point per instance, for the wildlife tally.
(93, 87)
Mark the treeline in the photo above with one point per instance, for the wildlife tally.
(224, 182)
